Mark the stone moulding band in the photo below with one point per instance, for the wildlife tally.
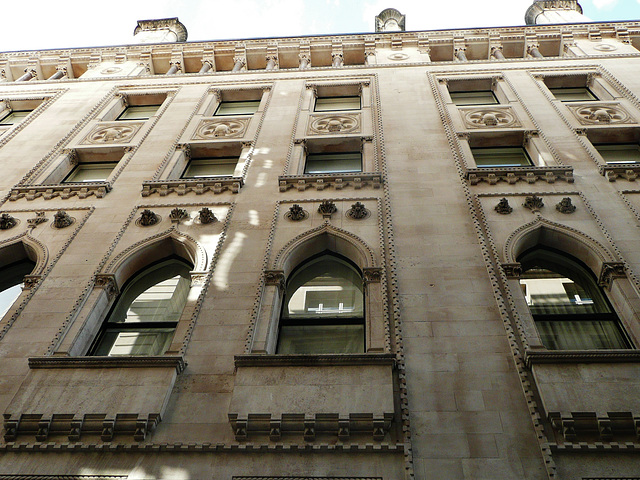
(257, 360)
(108, 362)
(582, 356)
(197, 186)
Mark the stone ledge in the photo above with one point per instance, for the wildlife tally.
(198, 186)
(629, 172)
(47, 192)
(514, 174)
(582, 356)
(258, 360)
(108, 362)
(590, 427)
(338, 181)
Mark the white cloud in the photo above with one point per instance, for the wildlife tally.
(600, 4)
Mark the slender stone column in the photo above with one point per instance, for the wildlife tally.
(496, 52)
(175, 68)
(206, 66)
(238, 63)
(338, 60)
(534, 52)
(58, 75)
(304, 61)
(271, 63)
(26, 77)
(460, 55)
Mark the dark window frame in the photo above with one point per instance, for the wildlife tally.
(359, 97)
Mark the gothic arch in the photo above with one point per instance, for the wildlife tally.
(24, 246)
(543, 232)
(319, 239)
(155, 248)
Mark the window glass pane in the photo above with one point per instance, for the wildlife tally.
(139, 112)
(621, 153)
(328, 104)
(501, 157)
(574, 94)
(90, 172)
(11, 280)
(580, 334)
(474, 98)
(318, 339)
(334, 163)
(325, 287)
(144, 341)
(15, 117)
(210, 167)
(238, 108)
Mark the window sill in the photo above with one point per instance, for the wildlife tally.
(158, 361)
(628, 171)
(337, 180)
(311, 360)
(530, 174)
(182, 186)
(61, 190)
(582, 356)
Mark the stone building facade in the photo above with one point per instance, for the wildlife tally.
(385, 256)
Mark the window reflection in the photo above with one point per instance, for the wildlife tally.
(11, 282)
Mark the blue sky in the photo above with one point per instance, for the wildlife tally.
(78, 23)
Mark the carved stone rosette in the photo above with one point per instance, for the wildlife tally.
(61, 219)
(37, 220)
(148, 218)
(296, 213)
(565, 206)
(503, 207)
(327, 208)
(178, 214)
(205, 215)
(7, 221)
(358, 211)
(600, 114)
(112, 133)
(533, 203)
(333, 124)
(227, 128)
(491, 117)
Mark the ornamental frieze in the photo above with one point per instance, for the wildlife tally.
(600, 113)
(334, 124)
(221, 128)
(113, 133)
(489, 117)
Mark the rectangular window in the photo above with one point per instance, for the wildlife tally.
(210, 167)
(573, 94)
(349, 162)
(330, 104)
(138, 112)
(501, 157)
(485, 97)
(15, 117)
(90, 172)
(238, 108)
(621, 153)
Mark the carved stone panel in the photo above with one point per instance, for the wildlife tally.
(334, 124)
(221, 128)
(598, 113)
(112, 133)
(494, 116)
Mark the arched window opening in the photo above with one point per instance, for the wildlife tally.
(11, 282)
(146, 313)
(323, 310)
(570, 310)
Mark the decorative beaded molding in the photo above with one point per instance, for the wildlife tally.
(252, 360)
(43, 266)
(337, 181)
(514, 174)
(495, 116)
(504, 300)
(336, 124)
(580, 356)
(227, 128)
(198, 186)
(108, 362)
(112, 133)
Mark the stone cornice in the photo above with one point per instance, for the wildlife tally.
(255, 360)
(582, 356)
(176, 362)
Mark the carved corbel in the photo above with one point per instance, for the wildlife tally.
(240, 431)
(43, 430)
(275, 430)
(591, 77)
(371, 275)
(11, 427)
(528, 135)
(378, 428)
(343, 429)
(610, 271)
(185, 148)
(30, 281)
(309, 432)
(275, 277)
(140, 432)
(512, 270)
(108, 283)
(72, 156)
(75, 431)
(108, 426)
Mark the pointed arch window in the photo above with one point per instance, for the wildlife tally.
(570, 310)
(12, 281)
(323, 308)
(145, 315)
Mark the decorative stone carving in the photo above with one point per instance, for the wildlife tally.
(107, 282)
(598, 114)
(227, 128)
(275, 277)
(327, 208)
(198, 279)
(605, 47)
(7, 221)
(112, 133)
(178, 214)
(37, 220)
(565, 205)
(371, 275)
(328, 124)
(148, 218)
(512, 270)
(30, 281)
(533, 203)
(503, 207)
(611, 270)
(205, 215)
(61, 219)
(398, 57)
(110, 70)
(358, 211)
(296, 213)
